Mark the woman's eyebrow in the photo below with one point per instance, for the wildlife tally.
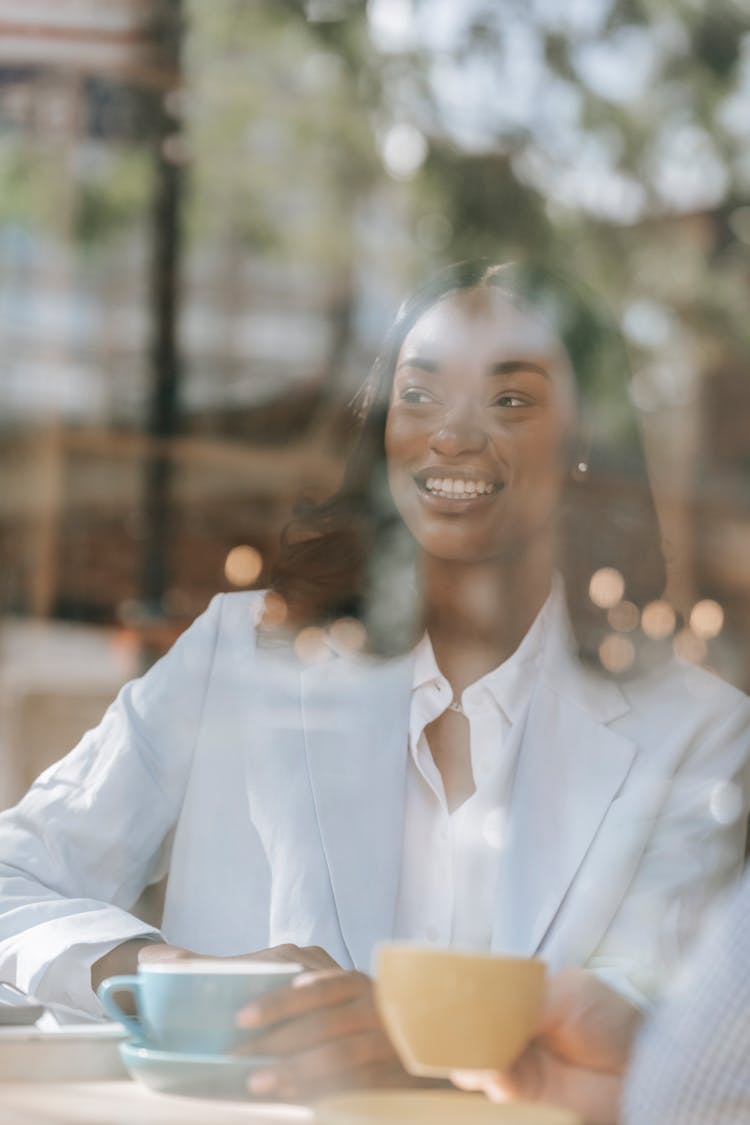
(502, 367)
(512, 366)
(421, 362)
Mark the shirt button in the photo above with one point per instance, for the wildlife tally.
(431, 933)
(443, 833)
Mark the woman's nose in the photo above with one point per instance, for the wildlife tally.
(459, 432)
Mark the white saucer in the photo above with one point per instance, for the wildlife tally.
(191, 1075)
(65, 1053)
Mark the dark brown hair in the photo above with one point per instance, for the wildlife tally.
(352, 556)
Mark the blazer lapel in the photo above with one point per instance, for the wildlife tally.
(355, 715)
(570, 767)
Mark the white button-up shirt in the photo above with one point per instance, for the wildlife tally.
(450, 859)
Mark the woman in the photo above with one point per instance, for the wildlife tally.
(471, 775)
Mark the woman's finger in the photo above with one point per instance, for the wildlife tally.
(304, 993)
(488, 1082)
(322, 1025)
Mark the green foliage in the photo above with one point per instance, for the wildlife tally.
(280, 138)
(117, 199)
(22, 191)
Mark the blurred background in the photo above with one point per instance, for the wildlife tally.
(208, 215)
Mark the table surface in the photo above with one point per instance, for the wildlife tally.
(128, 1103)
(73, 1075)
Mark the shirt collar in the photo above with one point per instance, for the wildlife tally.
(425, 664)
(511, 683)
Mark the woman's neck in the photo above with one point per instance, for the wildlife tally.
(477, 615)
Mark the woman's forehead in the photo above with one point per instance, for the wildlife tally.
(484, 317)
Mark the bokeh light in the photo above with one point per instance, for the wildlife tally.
(348, 635)
(310, 645)
(687, 646)
(243, 565)
(404, 150)
(606, 587)
(726, 803)
(707, 619)
(275, 610)
(391, 24)
(624, 617)
(616, 653)
(658, 620)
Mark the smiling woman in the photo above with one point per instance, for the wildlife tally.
(477, 428)
(501, 396)
(414, 734)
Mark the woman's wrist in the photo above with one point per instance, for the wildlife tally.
(122, 959)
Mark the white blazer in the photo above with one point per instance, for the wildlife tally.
(274, 794)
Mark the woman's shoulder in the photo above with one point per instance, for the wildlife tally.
(237, 606)
(687, 690)
(228, 618)
(684, 717)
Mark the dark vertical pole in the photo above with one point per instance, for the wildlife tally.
(163, 419)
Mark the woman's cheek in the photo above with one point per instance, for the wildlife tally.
(399, 427)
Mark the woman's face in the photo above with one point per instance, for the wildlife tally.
(479, 427)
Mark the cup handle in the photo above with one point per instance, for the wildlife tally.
(106, 993)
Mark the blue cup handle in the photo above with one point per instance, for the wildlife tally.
(106, 993)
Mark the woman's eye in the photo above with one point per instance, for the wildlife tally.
(510, 399)
(415, 395)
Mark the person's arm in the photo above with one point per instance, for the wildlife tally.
(694, 853)
(578, 1055)
(92, 831)
(691, 1063)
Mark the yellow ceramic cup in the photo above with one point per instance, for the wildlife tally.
(446, 1010)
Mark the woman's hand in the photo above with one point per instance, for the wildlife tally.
(125, 959)
(325, 1030)
(578, 1055)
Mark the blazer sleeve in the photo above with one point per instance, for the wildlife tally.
(694, 852)
(93, 830)
(690, 1064)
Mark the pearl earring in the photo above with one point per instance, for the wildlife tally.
(580, 470)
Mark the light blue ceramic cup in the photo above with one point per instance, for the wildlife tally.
(191, 1005)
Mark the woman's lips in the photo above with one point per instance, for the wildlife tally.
(459, 487)
(458, 492)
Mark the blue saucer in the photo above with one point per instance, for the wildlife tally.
(190, 1075)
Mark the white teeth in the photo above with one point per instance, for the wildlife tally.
(457, 488)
